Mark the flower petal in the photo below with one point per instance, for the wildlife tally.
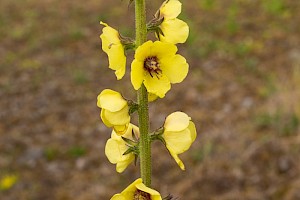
(152, 97)
(143, 51)
(128, 133)
(116, 118)
(163, 49)
(124, 162)
(118, 197)
(179, 142)
(117, 60)
(120, 129)
(174, 31)
(154, 194)
(115, 148)
(111, 100)
(104, 120)
(177, 121)
(157, 85)
(112, 151)
(137, 73)
(128, 193)
(170, 9)
(193, 131)
(177, 159)
(109, 34)
(175, 68)
(112, 45)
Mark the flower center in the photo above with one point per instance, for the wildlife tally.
(141, 195)
(151, 65)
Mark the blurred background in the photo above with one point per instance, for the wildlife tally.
(242, 92)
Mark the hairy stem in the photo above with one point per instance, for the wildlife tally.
(145, 141)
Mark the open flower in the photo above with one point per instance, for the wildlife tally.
(116, 147)
(157, 65)
(114, 111)
(137, 190)
(174, 30)
(113, 47)
(179, 134)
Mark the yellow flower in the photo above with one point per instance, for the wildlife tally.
(114, 111)
(156, 64)
(137, 190)
(113, 47)
(115, 148)
(152, 97)
(179, 134)
(174, 30)
(7, 182)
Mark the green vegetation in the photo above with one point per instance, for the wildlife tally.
(275, 7)
(207, 4)
(204, 151)
(232, 23)
(282, 124)
(76, 151)
(51, 153)
(80, 77)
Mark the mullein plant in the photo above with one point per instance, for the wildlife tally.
(155, 67)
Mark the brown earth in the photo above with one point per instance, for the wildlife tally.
(242, 91)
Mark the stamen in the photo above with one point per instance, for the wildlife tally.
(151, 65)
(141, 195)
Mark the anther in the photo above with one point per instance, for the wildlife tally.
(151, 65)
(141, 195)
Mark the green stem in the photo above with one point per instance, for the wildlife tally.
(145, 141)
(140, 22)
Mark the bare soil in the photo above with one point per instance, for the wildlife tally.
(242, 92)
